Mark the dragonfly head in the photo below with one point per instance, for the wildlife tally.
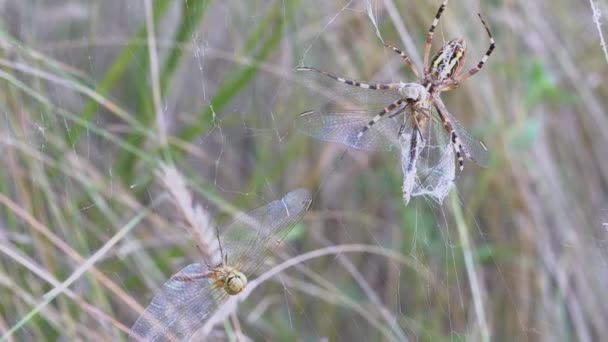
(413, 92)
(235, 282)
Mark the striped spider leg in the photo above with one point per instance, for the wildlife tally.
(484, 59)
(445, 69)
(429, 37)
(354, 83)
(456, 53)
(407, 59)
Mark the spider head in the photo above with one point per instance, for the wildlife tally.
(449, 60)
(413, 93)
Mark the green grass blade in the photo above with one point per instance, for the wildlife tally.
(118, 68)
(237, 80)
(51, 295)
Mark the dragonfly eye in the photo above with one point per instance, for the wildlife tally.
(235, 283)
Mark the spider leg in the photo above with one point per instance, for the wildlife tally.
(429, 36)
(406, 58)
(447, 85)
(379, 116)
(463, 76)
(456, 143)
(354, 83)
(398, 112)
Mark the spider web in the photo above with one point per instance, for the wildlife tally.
(91, 88)
(431, 178)
(243, 143)
(428, 166)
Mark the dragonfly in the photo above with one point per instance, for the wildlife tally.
(193, 294)
(403, 115)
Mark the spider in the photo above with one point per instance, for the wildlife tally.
(442, 72)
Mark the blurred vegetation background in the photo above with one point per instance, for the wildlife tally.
(95, 94)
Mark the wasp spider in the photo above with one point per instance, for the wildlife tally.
(416, 100)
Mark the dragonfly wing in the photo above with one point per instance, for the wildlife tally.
(427, 161)
(326, 91)
(251, 236)
(344, 128)
(436, 165)
(473, 148)
(179, 309)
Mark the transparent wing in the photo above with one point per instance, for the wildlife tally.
(427, 161)
(331, 94)
(344, 128)
(437, 165)
(250, 237)
(474, 149)
(179, 309)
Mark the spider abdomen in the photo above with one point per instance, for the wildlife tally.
(449, 61)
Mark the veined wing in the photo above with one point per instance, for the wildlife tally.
(179, 309)
(249, 239)
(473, 148)
(335, 95)
(344, 128)
(437, 165)
(427, 161)
(438, 143)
